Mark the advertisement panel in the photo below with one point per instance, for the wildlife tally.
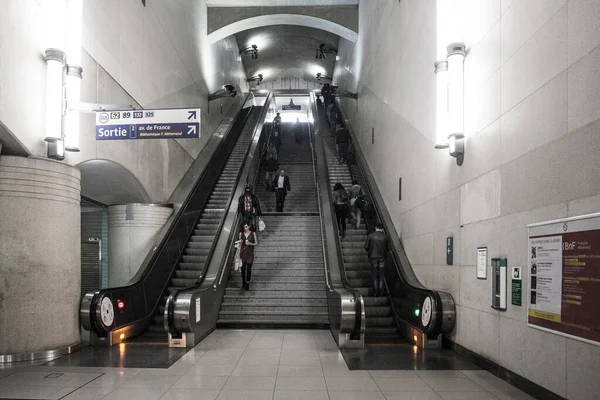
(564, 270)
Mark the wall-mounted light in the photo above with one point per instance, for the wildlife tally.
(450, 108)
(456, 95)
(456, 100)
(74, 77)
(252, 50)
(226, 91)
(323, 50)
(441, 123)
(55, 93)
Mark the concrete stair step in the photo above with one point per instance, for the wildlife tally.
(267, 259)
(234, 293)
(273, 302)
(280, 280)
(278, 287)
(267, 310)
(291, 319)
(261, 265)
(278, 272)
(252, 321)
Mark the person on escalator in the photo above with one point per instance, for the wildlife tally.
(249, 207)
(271, 165)
(377, 246)
(356, 194)
(340, 202)
(342, 140)
(248, 242)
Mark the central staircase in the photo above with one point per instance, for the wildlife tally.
(288, 278)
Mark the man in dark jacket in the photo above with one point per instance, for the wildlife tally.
(249, 207)
(342, 140)
(281, 185)
(377, 245)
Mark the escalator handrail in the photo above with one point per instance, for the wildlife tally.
(360, 323)
(318, 190)
(161, 247)
(171, 299)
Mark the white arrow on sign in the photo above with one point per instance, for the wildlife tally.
(191, 129)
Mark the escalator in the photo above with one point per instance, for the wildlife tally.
(380, 324)
(136, 312)
(409, 311)
(190, 267)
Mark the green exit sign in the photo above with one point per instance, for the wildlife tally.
(449, 250)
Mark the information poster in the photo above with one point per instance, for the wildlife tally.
(564, 284)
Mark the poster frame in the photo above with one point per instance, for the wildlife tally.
(528, 269)
(484, 275)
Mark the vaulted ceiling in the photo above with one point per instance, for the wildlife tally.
(286, 51)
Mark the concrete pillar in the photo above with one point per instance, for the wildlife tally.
(40, 254)
(132, 230)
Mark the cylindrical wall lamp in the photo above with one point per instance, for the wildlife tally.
(441, 77)
(55, 93)
(74, 76)
(456, 61)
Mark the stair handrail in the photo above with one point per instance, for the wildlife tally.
(318, 190)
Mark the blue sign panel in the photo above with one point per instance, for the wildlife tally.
(291, 107)
(148, 131)
(148, 124)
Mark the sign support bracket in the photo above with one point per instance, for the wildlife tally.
(94, 107)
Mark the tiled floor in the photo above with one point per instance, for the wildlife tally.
(253, 365)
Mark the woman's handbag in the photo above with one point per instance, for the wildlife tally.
(261, 224)
(237, 261)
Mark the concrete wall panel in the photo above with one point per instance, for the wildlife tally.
(532, 123)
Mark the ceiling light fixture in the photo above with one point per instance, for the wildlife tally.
(252, 50)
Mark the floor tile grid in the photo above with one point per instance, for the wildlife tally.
(339, 381)
(19, 387)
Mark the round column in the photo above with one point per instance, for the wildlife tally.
(40, 255)
(132, 231)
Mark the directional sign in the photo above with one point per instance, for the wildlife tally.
(291, 107)
(182, 123)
